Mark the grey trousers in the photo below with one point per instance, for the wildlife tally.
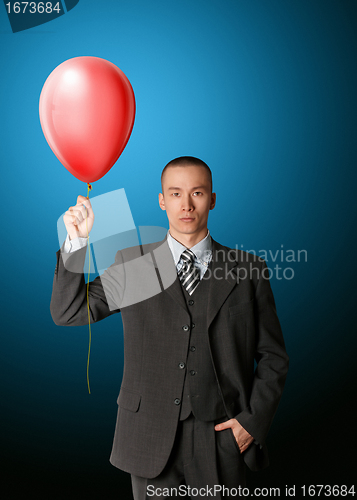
(202, 459)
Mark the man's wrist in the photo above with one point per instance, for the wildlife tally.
(71, 245)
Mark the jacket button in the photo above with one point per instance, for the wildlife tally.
(192, 372)
(182, 365)
(192, 348)
(185, 328)
(177, 401)
(191, 302)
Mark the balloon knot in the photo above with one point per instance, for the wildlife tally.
(89, 189)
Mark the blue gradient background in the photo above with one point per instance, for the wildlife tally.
(264, 92)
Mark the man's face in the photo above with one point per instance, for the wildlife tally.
(187, 199)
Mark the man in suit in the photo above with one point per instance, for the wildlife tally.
(193, 411)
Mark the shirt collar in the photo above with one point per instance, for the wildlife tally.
(202, 249)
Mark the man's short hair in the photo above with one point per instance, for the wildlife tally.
(186, 161)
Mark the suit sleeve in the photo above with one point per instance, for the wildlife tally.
(69, 291)
(272, 364)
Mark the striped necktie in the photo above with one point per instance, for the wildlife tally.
(189, 274)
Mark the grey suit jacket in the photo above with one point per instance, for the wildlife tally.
(243, 327)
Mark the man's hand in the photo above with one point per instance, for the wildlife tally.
(79, 219)
(243, 438)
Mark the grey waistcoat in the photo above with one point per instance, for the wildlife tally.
(200, 392)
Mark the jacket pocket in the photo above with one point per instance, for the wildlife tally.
(129, 400)
(234, 439)
(241, 308)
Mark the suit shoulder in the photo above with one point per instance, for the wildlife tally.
(244, 256)
(241, 256)
(136, 251)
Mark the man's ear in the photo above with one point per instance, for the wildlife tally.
(213, 201)
(162, 201)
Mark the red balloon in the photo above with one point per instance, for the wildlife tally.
(87, 112)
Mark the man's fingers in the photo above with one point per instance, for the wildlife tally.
(245, 444)
(223, 425)
(70, 219)
(74, 213)
(78, 217)
(82, 200)
(80, 211)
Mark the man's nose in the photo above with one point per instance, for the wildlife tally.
(187, 203)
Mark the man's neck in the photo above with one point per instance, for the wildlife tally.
(189, 240)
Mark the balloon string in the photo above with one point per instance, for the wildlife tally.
(90, 333)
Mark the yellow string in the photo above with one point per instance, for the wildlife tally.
(90, 333)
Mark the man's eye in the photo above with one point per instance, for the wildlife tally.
(174, 194)
(199, 192)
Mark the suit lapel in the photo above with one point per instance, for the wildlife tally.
(222, 278)
(163, 260)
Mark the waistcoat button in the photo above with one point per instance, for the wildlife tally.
(192, 372)
(191, 302)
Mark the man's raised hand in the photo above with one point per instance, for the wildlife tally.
(79, 219)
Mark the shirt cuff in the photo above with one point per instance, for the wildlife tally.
(73, 245)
